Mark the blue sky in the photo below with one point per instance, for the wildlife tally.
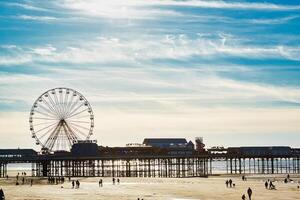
(225, 70)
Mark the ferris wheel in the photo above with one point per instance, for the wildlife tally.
(59, 118)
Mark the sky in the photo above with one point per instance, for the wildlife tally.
(227, 71)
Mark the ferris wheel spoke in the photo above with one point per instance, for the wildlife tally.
(77, 121)
(50, 107)
(70, 102)
(73, 134)
(79, 126)
(52, 138)
(80, 117)
(78, 131)
(43, 118)
(72, 107)
(43, 123)
(57, 104)
(46, 133)
(75, 109)
(45, 127)
(61, 101)
(47, 115)
(47, 110)
(72, 137)
(65, 101)
(75, 114)
(53, 104)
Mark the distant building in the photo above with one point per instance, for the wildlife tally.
(168, 143)
(261, 151)
(13, 153)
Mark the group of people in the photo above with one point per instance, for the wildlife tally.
(2, 196)
(56, 180)
(249, 192)
(269, 185)
(114, 181)
(229, 183)
(23, 179)
(244, 178)
(75, 184)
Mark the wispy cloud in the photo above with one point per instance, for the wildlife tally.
(37, 18)
(227, 5)
(177, 47)
(27, 6)
(272, 20)
(148, 9)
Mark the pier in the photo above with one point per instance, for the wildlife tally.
(85, 160)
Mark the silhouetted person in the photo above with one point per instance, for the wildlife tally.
(73, 184)
(266, 184)
(31, 182)
(272, 186)
(230, 182)
(118, 180)
(249, 191)
(226, 183)
(288, 176)
(113, 180)
(243, 197)
(2, 196)
(6, 177)
(100, 183)
(77, 184)
(23, 180)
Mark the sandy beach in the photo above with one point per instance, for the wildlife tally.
(152, 188)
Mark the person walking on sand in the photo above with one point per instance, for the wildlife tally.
(2, 197)
(100, 183)
(113, 180)
(243, 197)
(226, 183)
(118, 180)
(249, 191)
(266, 184)
(230, 182)
(31, 182)
(77, 184)
(73, 184)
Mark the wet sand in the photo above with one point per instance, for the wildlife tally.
(152, 188)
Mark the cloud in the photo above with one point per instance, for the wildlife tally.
(147, 48)
(272, 21)
(116, 9)
(148, 9)
(37, 18)
(27, 6)
(15, 60)
(227, 5)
